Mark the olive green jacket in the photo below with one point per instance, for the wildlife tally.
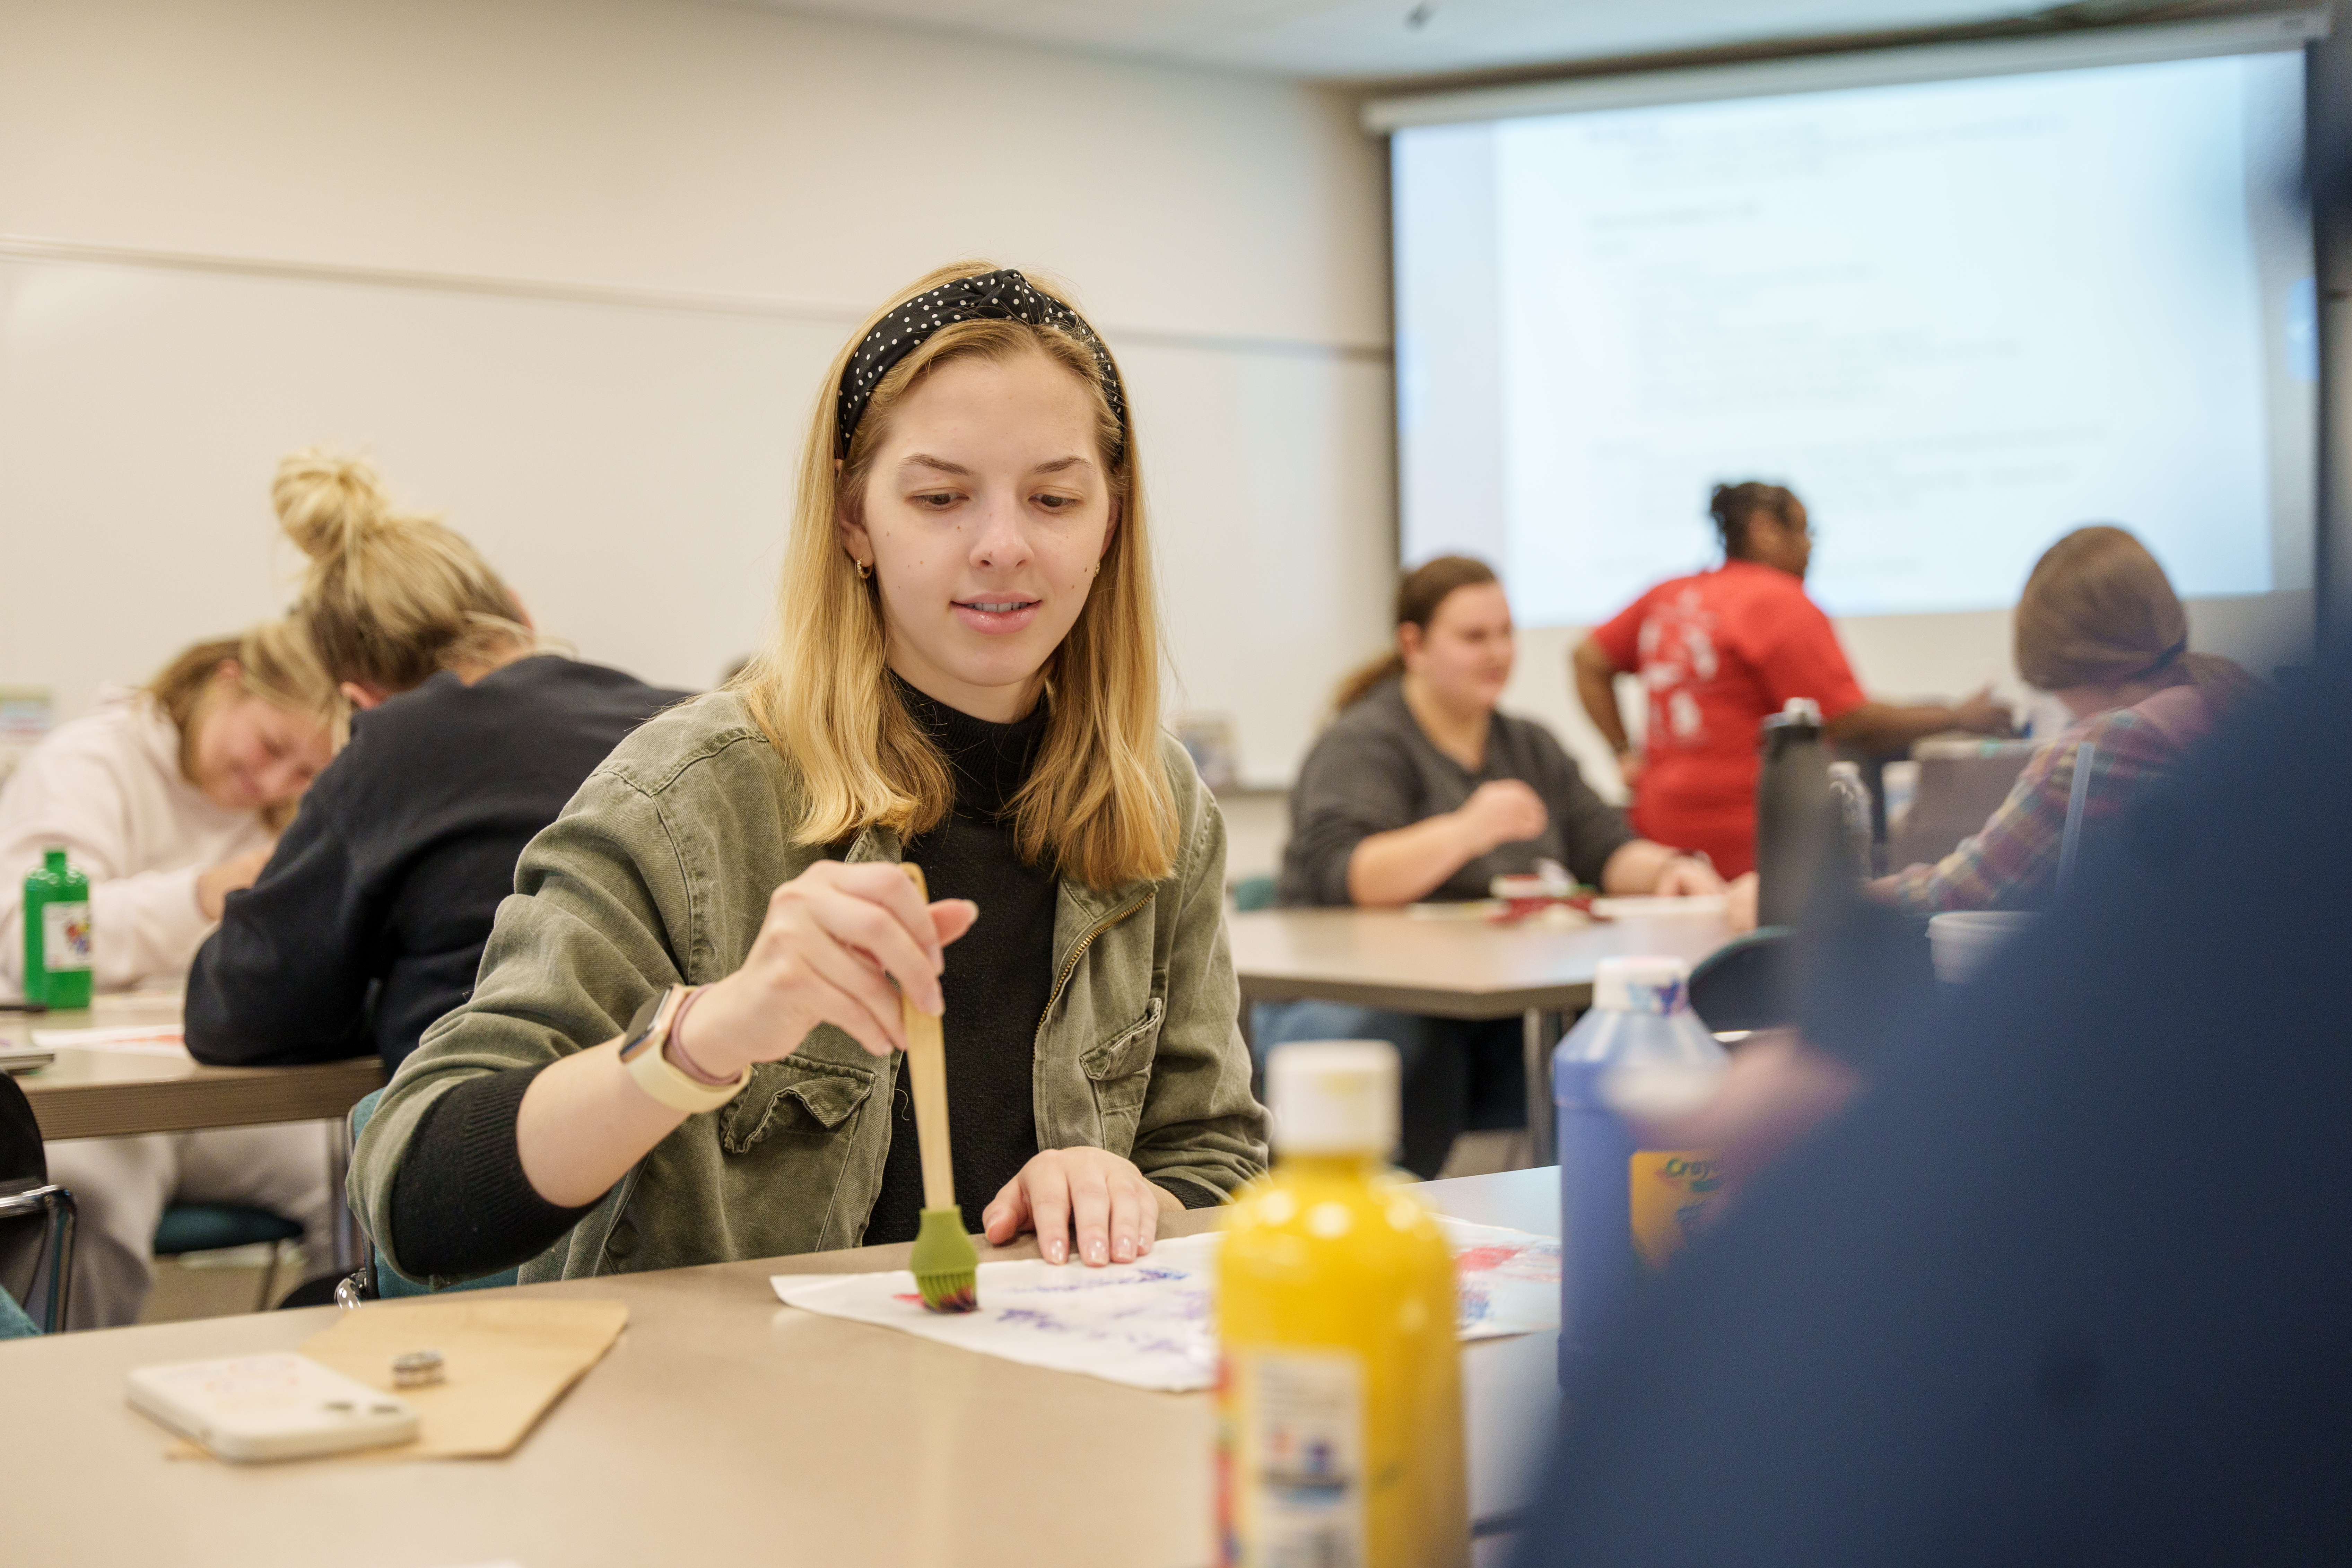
(659, 872)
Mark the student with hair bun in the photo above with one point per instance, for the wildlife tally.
(169, 798)
(2100, 628)
(1720, 651)
(685, 1043)
(368, 923)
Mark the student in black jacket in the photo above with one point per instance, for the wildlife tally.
(369, 921)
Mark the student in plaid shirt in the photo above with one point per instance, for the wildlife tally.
(2101, 629)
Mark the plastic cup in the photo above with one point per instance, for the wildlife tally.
(1965, 941)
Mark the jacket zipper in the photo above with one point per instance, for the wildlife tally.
(1076, 953)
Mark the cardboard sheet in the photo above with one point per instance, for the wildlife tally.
(507, 1362)
(1148, 1324)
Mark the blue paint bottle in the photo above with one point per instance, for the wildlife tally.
(1626, 1206)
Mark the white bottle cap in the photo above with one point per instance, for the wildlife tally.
(1333, 1096)
(1642, 985)
(1803, 708)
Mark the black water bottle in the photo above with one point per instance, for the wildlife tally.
(1794, 811)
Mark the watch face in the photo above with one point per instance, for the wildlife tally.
(641, 1028)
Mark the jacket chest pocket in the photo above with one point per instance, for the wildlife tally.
(1119, 1072)
(793, 1103)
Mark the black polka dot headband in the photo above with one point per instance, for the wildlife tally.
(1001, 296)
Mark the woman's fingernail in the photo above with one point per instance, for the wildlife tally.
(1055, 1251)
(1095, 1253)
(1125, 1250)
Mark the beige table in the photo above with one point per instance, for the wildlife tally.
(722, 1427)
(89, 1093)
(105, 1094)
(1451, 969)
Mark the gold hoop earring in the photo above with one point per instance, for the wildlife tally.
(864, 570)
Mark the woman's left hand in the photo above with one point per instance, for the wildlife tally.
(1085, 1199)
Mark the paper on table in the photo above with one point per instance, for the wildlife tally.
(149, 1041)
(506, 1364)
(1692, 905)
(1498, 911)
(1148, 1324)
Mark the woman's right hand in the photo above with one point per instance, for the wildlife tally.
(835, 938)
(231, 876)
(1981, 715)
(1499, 812)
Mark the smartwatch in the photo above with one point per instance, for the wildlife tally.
(644, 1052)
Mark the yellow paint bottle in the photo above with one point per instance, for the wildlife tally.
(1339, 1403)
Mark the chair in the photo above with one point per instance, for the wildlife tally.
(211, 1227)
(1961, 783)
(14, 1324)
(1748, 983)
(1253, 893)
(36, 1217)
(377, 1279)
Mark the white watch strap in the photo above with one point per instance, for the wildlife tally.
(664, 1080)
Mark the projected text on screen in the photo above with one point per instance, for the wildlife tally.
(1958, 317)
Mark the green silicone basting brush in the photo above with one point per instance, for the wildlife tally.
(946, 1266)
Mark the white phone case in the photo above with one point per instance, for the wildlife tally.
(270, 1407)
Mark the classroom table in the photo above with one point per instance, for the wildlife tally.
(104, 1094)
(722, 1427)
(1454, 969)
(89, 1093)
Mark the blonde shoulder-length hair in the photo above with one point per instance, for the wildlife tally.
(276, 662)
(1097, 805)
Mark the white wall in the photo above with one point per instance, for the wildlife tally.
(573, 268)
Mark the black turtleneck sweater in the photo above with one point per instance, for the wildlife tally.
(998, 977)
(462, 1205)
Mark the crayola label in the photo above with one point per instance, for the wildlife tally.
(1669, 1190)
(1291, 1458)
(65, 936)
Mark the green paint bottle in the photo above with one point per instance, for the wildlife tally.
(56, 935)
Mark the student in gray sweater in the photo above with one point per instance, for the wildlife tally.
(1421, 790)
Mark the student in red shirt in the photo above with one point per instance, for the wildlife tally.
(1720, 651)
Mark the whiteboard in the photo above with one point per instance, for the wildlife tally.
(625, 462)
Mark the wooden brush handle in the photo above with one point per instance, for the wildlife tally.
(926, 1066)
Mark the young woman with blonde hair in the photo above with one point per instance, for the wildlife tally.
(2099, 627)
(369, 923)
(684, 1042)
(169, 798)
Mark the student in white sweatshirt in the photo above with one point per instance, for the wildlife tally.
(169, 798)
